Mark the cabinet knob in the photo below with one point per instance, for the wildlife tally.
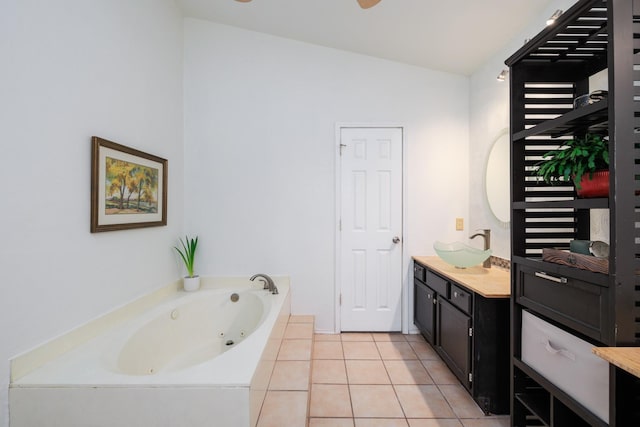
(455, 295)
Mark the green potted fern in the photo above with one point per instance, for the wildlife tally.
(583, 161)
(188, 254)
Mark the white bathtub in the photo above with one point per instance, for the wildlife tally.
(193, 359)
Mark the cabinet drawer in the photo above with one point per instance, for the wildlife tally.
(418, 272)
(577, 304)
(461, 298)
(566, 361)
(438, 284)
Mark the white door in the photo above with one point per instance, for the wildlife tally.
(371, 229)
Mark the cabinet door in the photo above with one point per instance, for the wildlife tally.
(424, 311)
(454, 340)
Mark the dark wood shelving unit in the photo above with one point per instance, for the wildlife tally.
(546, 75)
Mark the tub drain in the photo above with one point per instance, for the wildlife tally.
(229, 342)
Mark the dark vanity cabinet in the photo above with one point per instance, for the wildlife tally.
(560, 311)
(469, 332)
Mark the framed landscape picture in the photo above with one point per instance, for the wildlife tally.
(128, 187)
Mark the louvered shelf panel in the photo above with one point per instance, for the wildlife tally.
(590, 118)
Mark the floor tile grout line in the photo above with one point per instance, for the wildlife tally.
(346, 374)
(395, 389)
(275, 362)
(447, 400)
(269, 382)
(395, 392)
(307, 420)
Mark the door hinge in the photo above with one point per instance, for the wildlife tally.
(470, 377)
(470, 332)
(340, 224)
(341, 147)
(340, 299)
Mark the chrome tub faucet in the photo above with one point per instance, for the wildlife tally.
(268, 282)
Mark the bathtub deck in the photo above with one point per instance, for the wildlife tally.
(365, 380)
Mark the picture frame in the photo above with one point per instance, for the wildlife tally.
(128, 187)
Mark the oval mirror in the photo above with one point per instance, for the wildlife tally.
(497, 177)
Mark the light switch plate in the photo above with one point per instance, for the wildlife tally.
(459, 224)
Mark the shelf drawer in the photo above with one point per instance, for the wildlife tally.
(438, 284)
(461, 298)
(579, 305)
(568, 362)
(419, 272)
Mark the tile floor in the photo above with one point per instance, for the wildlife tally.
(364, 380)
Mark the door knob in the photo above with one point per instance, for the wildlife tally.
(396, 239)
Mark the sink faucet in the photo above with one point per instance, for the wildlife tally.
(268, 282)
(486, 234)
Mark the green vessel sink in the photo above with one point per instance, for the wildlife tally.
(460, 255)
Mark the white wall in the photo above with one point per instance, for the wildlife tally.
(260, 144)
(72, 69)
(489, 101)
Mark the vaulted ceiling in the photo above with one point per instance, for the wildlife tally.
(449, 35)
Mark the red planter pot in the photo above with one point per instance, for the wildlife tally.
(596, 186)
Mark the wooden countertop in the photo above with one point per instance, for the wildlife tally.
(627, 358)
(491, 282)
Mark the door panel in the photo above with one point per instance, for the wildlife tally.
(371, 217)
(425, 310)
(454, 340)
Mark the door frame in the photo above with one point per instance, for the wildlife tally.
(405, 306)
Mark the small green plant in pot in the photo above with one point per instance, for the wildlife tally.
(188, 254)
(575, 160)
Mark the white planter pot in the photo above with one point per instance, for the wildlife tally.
(191, 284)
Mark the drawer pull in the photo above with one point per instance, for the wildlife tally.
(543, 275)
(566, 353)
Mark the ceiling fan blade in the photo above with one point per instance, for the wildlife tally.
(366, 4)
